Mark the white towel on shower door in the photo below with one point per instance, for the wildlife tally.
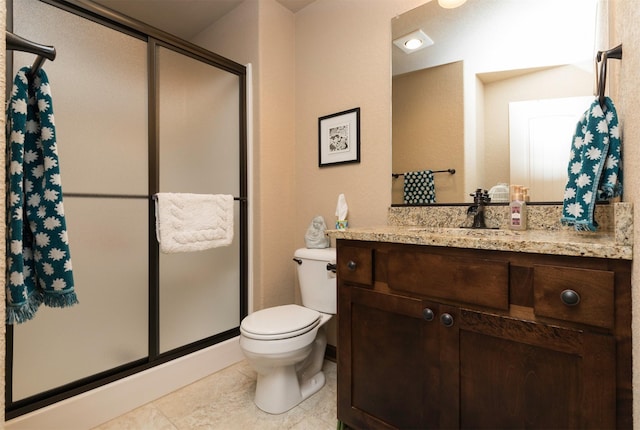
(193, 222)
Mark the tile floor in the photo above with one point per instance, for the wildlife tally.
(224, 400)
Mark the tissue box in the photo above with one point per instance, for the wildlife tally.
(342, 224)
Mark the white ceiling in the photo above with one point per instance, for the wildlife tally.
(183, 18)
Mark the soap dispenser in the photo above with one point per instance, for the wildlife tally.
(517, 209)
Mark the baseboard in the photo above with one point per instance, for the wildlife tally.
(330, 353)
(98, 406)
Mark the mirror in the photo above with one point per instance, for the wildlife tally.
(494, 65)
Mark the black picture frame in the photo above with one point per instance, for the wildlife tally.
(339, 138)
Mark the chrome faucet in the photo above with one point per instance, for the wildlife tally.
(480, 199)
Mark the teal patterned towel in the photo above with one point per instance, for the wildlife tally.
(419, 188)
(38, 258)
(595, 166)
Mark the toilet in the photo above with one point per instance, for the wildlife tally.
(285, 345)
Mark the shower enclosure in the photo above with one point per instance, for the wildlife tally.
(137, 112)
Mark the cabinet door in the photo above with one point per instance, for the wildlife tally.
(522, 374)
(388, 361)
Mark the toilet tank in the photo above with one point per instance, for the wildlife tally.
(318, 286)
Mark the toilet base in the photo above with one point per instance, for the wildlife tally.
(282, 388)
(312, 385)
(279, 391)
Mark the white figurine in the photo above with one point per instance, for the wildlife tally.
(316, 236)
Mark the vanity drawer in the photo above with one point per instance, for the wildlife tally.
(579, 295)
(467, 280)
(355, 264)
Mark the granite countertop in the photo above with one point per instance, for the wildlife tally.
(601, 245)
(433, 226)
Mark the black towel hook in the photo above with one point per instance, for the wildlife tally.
(44, 52)
(602, 57)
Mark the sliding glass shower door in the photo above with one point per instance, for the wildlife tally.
(135, 115)
(199, 127)
(98, 84)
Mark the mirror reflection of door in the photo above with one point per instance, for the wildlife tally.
(541, 132)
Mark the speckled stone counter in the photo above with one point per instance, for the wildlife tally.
(441, 226)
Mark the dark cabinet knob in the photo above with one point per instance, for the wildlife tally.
(570, 297)
(428, 314)
(446, 320)
(351, 265)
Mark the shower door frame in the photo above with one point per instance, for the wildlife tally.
(154, 39)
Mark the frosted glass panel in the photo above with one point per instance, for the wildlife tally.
(109, 327)
(199, 126)
(99, 87)
(199, 153)
(199, 294)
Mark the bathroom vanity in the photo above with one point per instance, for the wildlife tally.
(456, 328)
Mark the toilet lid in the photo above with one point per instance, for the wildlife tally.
(279, 322)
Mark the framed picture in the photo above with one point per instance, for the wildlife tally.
(339, 138)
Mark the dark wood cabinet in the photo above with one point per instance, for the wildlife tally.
(440, 338)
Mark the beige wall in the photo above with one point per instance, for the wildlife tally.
(343, 61)
(428, 128)
(626, 95)
(275, 153)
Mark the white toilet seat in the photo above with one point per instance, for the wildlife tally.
(280, 322)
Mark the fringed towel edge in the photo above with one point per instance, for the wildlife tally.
(61, 300)
(17, 314)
